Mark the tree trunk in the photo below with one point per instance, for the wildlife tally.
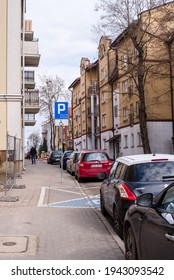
(142, 107)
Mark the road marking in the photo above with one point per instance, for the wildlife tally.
(86, 202)
(82, 202)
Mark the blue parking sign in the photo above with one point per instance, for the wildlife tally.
(61, 110)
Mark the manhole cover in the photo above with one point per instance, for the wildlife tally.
(13, 244)
(9, 243)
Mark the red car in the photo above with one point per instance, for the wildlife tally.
(92, 164)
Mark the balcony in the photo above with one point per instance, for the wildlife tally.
(29, 79)
(32, 102)
(30, 120)
(31, 53)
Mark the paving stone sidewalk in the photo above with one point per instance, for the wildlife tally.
(33, 227)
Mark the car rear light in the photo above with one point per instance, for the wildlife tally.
(81, 164)
(110, 163)
(161, 159)
(126, 193)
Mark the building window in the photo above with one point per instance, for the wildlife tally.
(103, 96)
(139, 139)
(124, 60)
(125, 141)
(104, 120)
(132, 140)
(103, 74)
(124, 86)
(125, 114)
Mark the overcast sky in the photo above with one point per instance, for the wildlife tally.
(64, 29)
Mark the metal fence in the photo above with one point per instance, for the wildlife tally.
(10, 163)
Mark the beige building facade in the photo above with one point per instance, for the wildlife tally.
(15, 55)
(117, 94)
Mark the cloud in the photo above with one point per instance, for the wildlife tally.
(65, 36)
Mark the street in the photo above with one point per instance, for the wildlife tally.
(55, 220)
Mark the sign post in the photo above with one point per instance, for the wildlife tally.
(61, 116)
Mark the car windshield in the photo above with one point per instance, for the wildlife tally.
(151, 171)
(56, 154)
(95, 156)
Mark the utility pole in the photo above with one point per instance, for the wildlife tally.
(93, 92)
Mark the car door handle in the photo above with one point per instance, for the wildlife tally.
(170, 237)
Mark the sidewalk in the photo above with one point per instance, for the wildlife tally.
(45, 224)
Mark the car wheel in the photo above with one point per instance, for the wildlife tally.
(102, 207)
(130, 246)
(117, 223)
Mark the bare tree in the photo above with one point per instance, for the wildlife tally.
(126, 18)
(34, 139)
(52, 90)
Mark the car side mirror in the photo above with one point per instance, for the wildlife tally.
(145, 200)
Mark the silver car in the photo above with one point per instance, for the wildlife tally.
(70, 164)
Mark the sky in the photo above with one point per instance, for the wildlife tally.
(64, 30)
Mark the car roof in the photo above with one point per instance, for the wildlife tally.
(93, 151)
(141, 158)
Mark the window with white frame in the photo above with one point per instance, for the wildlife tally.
(125, 141)
(125, 113)
(124, 60)
(104, 120)
(124, 86)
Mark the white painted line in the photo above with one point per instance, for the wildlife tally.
(42, 196)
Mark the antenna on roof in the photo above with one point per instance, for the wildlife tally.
(154, 153)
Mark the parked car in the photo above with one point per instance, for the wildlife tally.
(70, 164)
(149, 227)
(131, 176)
(64, 158)
(92, 164)
(54, 157)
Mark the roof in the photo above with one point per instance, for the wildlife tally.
(135, 159)
(76, 81)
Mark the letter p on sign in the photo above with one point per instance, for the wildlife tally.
(61, 110)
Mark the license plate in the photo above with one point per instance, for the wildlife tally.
(96, 165)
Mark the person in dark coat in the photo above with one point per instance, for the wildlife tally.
(33, 154)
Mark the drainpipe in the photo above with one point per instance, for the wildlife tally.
(171, 90)
(23, 85)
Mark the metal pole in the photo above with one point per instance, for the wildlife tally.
(61, 139)
(23, 86)
(92, 117)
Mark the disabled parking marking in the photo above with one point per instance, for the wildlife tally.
(82, 202)
(86, 202)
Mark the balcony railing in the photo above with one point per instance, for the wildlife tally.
(30, 119)
(32, 102)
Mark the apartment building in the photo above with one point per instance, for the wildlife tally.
(18, 50)
(157, 86)
(117, 90)
(85, 107)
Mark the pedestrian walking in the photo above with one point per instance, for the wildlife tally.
(33, 154)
